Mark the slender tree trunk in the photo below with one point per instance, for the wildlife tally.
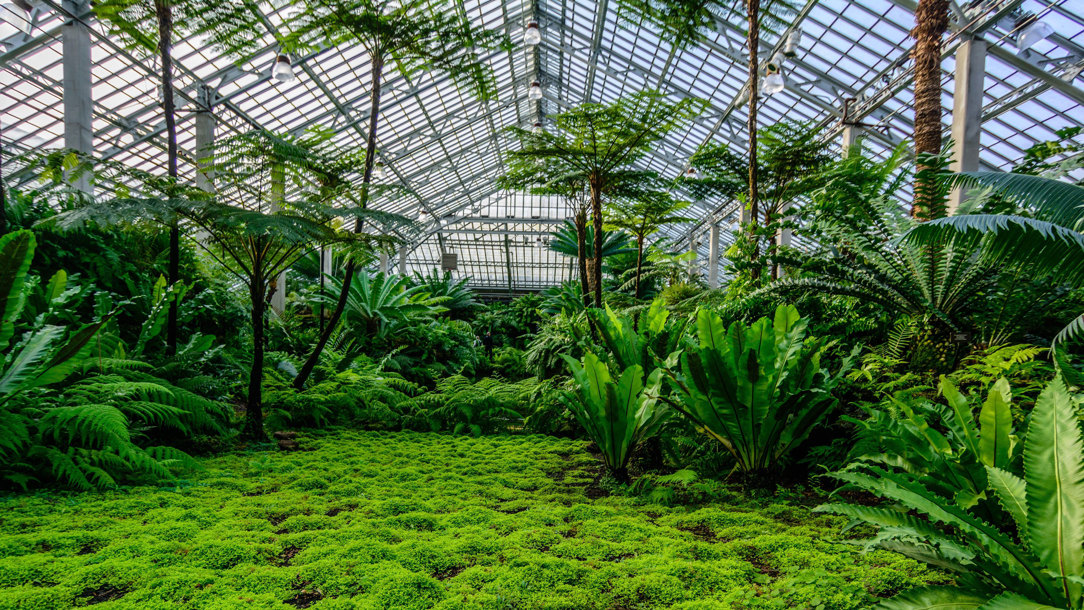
(581, 255)
(165, 35)
(753, 202)
(596, 217)
(254, 405)
(931, 23)
(639, 262)
(366, 179)
(772, 246)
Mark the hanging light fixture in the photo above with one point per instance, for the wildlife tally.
(537, 127)
(535, 92)
(1032, 31)
(423, 216)
(378, 171)
(283, 71)
(538, 243)
(774, 82)
(533, 35)
(691, 173)
(790, 47)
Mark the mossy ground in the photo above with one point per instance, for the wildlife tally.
(411, 520)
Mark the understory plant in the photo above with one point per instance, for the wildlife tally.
(1032, 559)
(618, 414)
(758, 389)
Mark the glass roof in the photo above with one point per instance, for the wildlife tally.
(447, 146)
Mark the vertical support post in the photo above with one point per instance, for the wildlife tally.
(692, 259)
(967, 112)
(849, 138)
(402, 260)
(278, 197)
(78, 100)
(713, 256)
(383, 263)
(205, 139)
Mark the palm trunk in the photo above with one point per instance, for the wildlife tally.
(596, 217)
(254, 404)
(931, 23)
(165, 35)
(753, 7)
(581, 255)
(639, 262)
(366, 179)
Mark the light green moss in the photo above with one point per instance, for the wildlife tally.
(372, 520)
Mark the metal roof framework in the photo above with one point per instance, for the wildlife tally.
(447, 146)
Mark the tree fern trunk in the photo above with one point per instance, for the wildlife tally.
(367, 178)
(931, 22)
(254, 404)
(639, 262)
(165, 35)
(581, 255)
(596, 217)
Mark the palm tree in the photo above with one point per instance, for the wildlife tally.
(1044, 240)
(598, 145)
(416, 34)
(689, 22)
(149, 25)
(643, 216)
(931, 23)
(573, 240)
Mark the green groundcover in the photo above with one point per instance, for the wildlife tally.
(412, 520)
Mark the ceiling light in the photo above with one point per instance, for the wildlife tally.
(538, 243)
(774, 83)
(537, 127)
(378, 171)
(790, 47)
(423, 216)
(283, 70)
(532, 36)
(691, 173)
(1032, 31)
(535, 92)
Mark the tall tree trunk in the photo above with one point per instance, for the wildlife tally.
(581, 255)
(753, 8)
(165, 35)
(596, 217)
(931, 23)
(366, 179)
(639, 262)
(254, 405)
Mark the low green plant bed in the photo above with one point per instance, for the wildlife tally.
(413, 520)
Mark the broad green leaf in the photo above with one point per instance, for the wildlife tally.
(1011, 493)
(995, 425)
(964, 418)
(16, 250)
(936, 598)
(1012, 601)
(1054, 471)
(56, 286)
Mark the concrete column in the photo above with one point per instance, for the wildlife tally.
(383, 265)
(849, 138)
(327, 257)
(278, 196)
(78, 102)
(402, 260)
(205, 139)
(692, 259)
(967, 112)
(713, 256)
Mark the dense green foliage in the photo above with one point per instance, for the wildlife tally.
(408, 520)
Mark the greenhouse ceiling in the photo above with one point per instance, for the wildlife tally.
(447, 146)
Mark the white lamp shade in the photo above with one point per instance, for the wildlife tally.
(535, 92)
(423, 215)
(1032, 34)
(283, 70)
(790, 47)
(537, 127)
(378, 171)
(532, 36)
(774, 83)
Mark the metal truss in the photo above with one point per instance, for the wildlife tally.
(447, 147)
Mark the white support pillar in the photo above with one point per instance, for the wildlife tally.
(967, 112)
(78, 101)
(713, 256)
(692, 260)
(278, 196)
(849, 138)
(402, 260)
(327, 260)
(205, 139)
(383, 265)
